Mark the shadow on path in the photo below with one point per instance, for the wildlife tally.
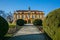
(30, 37)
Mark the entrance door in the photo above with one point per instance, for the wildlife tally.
(29, 21)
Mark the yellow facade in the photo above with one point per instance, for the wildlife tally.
(28, 15)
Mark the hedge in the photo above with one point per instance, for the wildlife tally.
(51, 24)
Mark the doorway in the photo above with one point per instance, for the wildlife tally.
(29, 21)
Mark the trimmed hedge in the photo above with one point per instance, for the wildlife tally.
(37, 22)
(20, 22)
(3, 27)
(51, 24)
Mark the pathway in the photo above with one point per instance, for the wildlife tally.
(28, 30)
(28, 33)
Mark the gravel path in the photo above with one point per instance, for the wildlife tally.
(29, 33)
(28, 30)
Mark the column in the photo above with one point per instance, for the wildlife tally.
(24, 16)
(21, 16)
(30, 15)
(31, 21)
(18, 16)
(38, 16)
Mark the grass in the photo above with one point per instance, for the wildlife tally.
(7, 36)
(10, 26)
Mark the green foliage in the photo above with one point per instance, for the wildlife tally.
(12, 25)
(3, 27)
(37, 22)
(52, 23)
(20, 22)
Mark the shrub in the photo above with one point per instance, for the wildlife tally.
(37, 22)
(3, 27)
(51, 24)
(20, 22)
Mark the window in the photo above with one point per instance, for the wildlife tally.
(33, 16)
(18, 16)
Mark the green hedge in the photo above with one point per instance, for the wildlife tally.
(20, 22)
(51, 24)
(37, 22)
(3, 27)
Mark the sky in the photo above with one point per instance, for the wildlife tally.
(42, 5)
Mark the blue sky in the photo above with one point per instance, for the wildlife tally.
(41, 5)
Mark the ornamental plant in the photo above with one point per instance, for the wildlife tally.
(51, 24)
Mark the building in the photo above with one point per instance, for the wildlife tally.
(28, 15)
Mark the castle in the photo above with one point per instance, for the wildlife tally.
(28, 15)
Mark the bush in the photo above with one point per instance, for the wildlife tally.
(51, 24)
(3, 27)
(25, 21)
(20, 22)
(37, 22)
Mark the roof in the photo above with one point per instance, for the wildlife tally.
(28, 10)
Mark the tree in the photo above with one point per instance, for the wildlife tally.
(2, 13)
(10, 17)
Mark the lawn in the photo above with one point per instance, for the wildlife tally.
(11, 28)
(12, 25)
